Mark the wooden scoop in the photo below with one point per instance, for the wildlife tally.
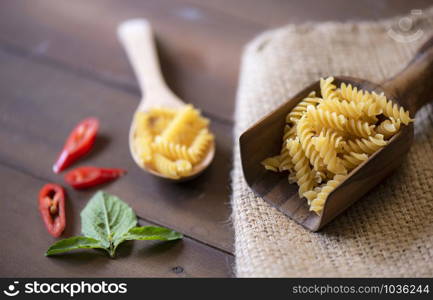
(137, 39)
(411, 88)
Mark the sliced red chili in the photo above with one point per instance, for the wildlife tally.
(52, 208)
(84, 177)
(79, 143)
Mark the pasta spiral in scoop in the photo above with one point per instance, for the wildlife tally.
(327, 136)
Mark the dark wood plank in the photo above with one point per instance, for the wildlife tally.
(200, 42)
(25, 241)
(200, 45)
(273, 13)
(199, 49)
(41, 104)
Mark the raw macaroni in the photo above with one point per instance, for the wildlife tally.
(327, 137)
(171, 142)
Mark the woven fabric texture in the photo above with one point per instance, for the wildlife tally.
(389, 232)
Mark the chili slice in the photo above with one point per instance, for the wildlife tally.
(79, 143)
(52, 208)
(85, 177)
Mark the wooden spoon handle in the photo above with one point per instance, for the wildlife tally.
(413, 86)
(137, 38)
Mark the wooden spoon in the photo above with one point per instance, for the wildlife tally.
(411, 88)
(137, 39)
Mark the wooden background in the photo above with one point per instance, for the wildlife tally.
(60, 62)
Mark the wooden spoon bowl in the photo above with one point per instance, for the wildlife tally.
(411, 88)
(137, 39)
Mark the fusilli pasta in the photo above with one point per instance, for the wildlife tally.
(200, 145)
(303, 172)
(359, 128)
(174, 169)
(318, 202)
(331, 134)
(301, 108)
(328, 153)
(353, 159)
(272, 163)
(171, 141)
(327, 89)
(365, 145)
(322, 118)
(347, 109)
(389, 127)
(391, 109)
(305, 134)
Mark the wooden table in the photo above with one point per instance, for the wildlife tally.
(60, 62)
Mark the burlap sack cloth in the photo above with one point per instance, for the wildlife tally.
(389, 232)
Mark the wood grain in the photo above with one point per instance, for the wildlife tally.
(25, 241)
(273, 13)
(61, 62)
(201, 66)
(37, 115)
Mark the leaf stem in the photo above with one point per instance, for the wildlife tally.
(111, 251)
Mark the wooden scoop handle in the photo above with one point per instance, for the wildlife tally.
(413, 86)
(137, 38)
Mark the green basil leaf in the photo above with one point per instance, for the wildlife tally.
(107, 219)
(73, 243)
(152, 233)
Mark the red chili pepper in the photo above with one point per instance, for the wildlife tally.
(52, 208)
(79, 142)
(84, 177)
